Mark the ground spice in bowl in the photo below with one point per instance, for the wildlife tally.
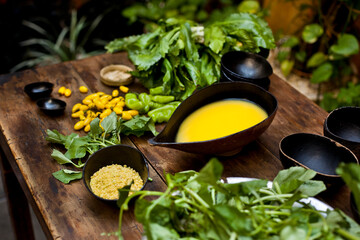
(107, 180)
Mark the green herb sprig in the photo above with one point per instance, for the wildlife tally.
(197, 205)
(101, 135)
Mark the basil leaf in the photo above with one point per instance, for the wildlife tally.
(66, 176)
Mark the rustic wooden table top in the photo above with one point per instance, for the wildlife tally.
(69, 211)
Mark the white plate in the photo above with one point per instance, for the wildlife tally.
(318, 205)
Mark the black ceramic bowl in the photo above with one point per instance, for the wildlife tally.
(51, 106)
(315, 152)
(343, 125)
(38, 90)
(224, 146)
(116, 154)
(247, 67)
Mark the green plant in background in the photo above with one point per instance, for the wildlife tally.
(323, 49)
(201, 11)
(68, 45)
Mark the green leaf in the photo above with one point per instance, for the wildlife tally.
(249, 6)
(109, 123)
(62, 159)
(346, 45)
(55, 137)
(316, 59)
(286, 66)
(77, 148)
(291, 42)
(211, 172)
(300, 56)
(292, 233)
(291, 179)
(65, 175)
(312, 32)
(190, 47)
(138, 125)
(350, 173)
(322, 73)
(214, 38)
(123, 194)
(95, 129)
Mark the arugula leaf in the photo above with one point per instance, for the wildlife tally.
(109, 123)
(65, 175)
(95, 128)
(54, 136)
(138, 125)
(62, 159)
(77, 148)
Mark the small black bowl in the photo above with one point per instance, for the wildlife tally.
(38, 90)
(51, 106)
(228, 145)
(116, 154)
(315, 152)
(245, 66)
(343, 125)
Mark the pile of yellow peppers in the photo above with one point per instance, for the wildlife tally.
(100, 105)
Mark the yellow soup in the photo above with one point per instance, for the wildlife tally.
(220, 119)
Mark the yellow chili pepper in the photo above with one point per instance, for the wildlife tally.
(87, 101)
(67, 92)
(84, 108)
(133, 112)
(87, 128)
(118, 110)
(76, 107)
(124, 89)
(126, 115)
(79, 125)
(61, 90)
(77, 114)
(115, 93)
(83, 89)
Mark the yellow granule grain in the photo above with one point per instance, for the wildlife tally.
(107, 180)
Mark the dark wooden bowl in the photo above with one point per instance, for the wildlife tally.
(343, 125)
(224, 146)
(245, 66)
(315, 152)
(116, 154)
(51, 106)
(38, 90)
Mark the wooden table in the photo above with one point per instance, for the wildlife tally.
(69, 211)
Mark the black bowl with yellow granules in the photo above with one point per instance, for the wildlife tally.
(112, 168)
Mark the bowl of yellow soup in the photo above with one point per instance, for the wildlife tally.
(219, 120)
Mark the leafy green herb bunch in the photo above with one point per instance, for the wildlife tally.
(181, 55)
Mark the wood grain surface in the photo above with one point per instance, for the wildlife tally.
(69, 211)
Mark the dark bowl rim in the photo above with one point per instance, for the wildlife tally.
(327, 129)
(320, 137)
(117, 145)
(228, 71)
(38, 101)
(151, 140)
(29, 86)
